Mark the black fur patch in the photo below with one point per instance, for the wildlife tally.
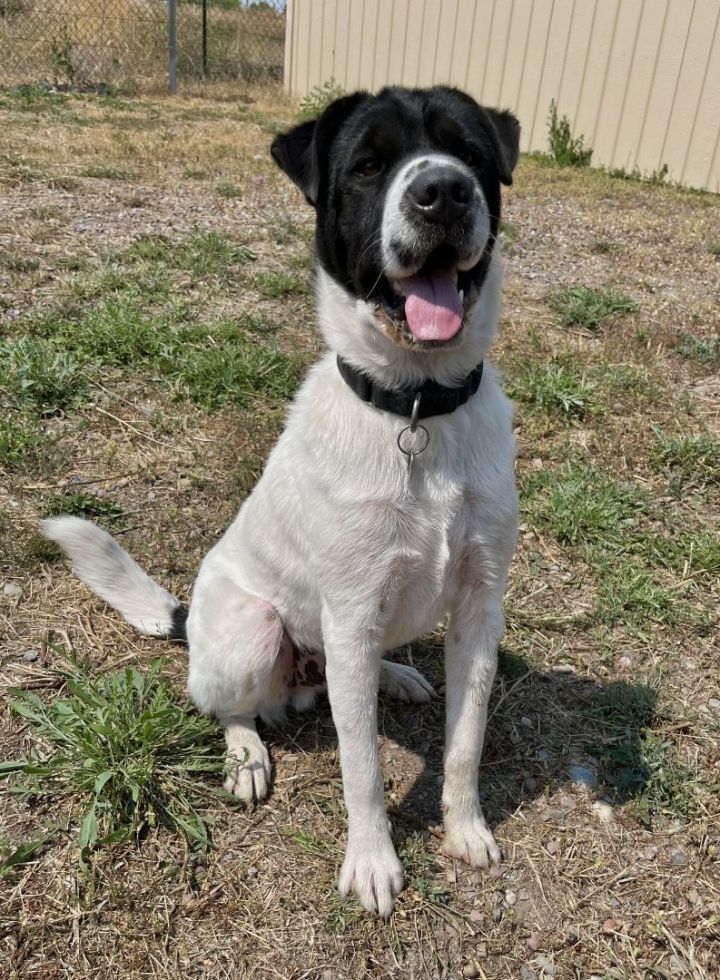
(178, 630)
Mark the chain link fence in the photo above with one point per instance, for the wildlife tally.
(123, 45)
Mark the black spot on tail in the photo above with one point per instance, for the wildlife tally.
(178, 630)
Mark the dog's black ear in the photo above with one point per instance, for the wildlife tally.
(303, 151)
(505, 131)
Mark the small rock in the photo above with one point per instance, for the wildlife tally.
(12, 589)
(515, 737)
(470, 971)
(609, 925)
(562, 669)
(510, 898)
(252, 873)
(542, 755)
(679, 859)
(572, 934)
(498, 914)
(616, 903)
(547, 969)
(526, 973)
(603, 811)
(526, 722)
(552, 846)
(477, 916)
(582, 776)
(451, 875)
(481, 950)
(714, 705)
(30, 655)
(497, 870)
(625, 662)
(534, 941)
(649, 853)
(678, 965)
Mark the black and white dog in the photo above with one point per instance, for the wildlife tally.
(389, 499)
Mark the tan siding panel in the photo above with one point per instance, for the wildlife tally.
(639, 79)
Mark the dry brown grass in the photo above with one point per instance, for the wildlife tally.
(635, 897)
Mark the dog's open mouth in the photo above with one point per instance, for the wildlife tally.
(429, 305)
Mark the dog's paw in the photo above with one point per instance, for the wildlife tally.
(404, 683)
(248, 770)
(471, 841)
(373, 874)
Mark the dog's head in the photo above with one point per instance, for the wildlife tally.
(406, 186)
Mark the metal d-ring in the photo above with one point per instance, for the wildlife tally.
(412, 429)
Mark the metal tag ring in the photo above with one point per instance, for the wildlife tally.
(419, 427)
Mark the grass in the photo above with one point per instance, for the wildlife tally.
(87, 505)
(123, 749)
(579, 505)
(587, 307)
(554, 388)
(689, 460)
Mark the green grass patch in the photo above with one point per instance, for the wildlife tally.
(579, 505)
(279, 285)
(587, 307)
(107, 172)
(124, 749)
(228, 190)
(689, 460)
(714, 247)
(688, 553)
(630, 595)
(22, 441)
(554, 388)
(40, 377)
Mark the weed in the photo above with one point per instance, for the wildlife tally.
(699, 349)
(714, 248)
(580, 505)
(554, 388)
(564, 148)
(319, 98)
(21, 440)
(18, 263)
(86, 505)
(417, 863)
(584, 306)
(124, 748)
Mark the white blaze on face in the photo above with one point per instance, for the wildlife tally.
(433, 303)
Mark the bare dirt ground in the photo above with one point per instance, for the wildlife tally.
(115, 211)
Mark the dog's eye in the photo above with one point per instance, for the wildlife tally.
(369, 167)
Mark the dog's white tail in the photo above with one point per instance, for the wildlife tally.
(113, 575)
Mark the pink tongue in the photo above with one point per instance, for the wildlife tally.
(433, 308)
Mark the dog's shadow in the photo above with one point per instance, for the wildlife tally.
(545, 728)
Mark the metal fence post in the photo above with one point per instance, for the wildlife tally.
(204, 38)
(172, 46)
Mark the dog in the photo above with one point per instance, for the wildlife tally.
(389, 499)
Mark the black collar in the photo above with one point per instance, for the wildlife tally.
(435, 399)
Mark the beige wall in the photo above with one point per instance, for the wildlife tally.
(640, 79)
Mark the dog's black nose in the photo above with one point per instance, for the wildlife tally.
(441, 195)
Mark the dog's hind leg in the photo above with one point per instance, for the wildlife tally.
(404, 683)
(241, 665)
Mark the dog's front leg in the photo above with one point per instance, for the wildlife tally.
(476, 627)
(371, 868)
